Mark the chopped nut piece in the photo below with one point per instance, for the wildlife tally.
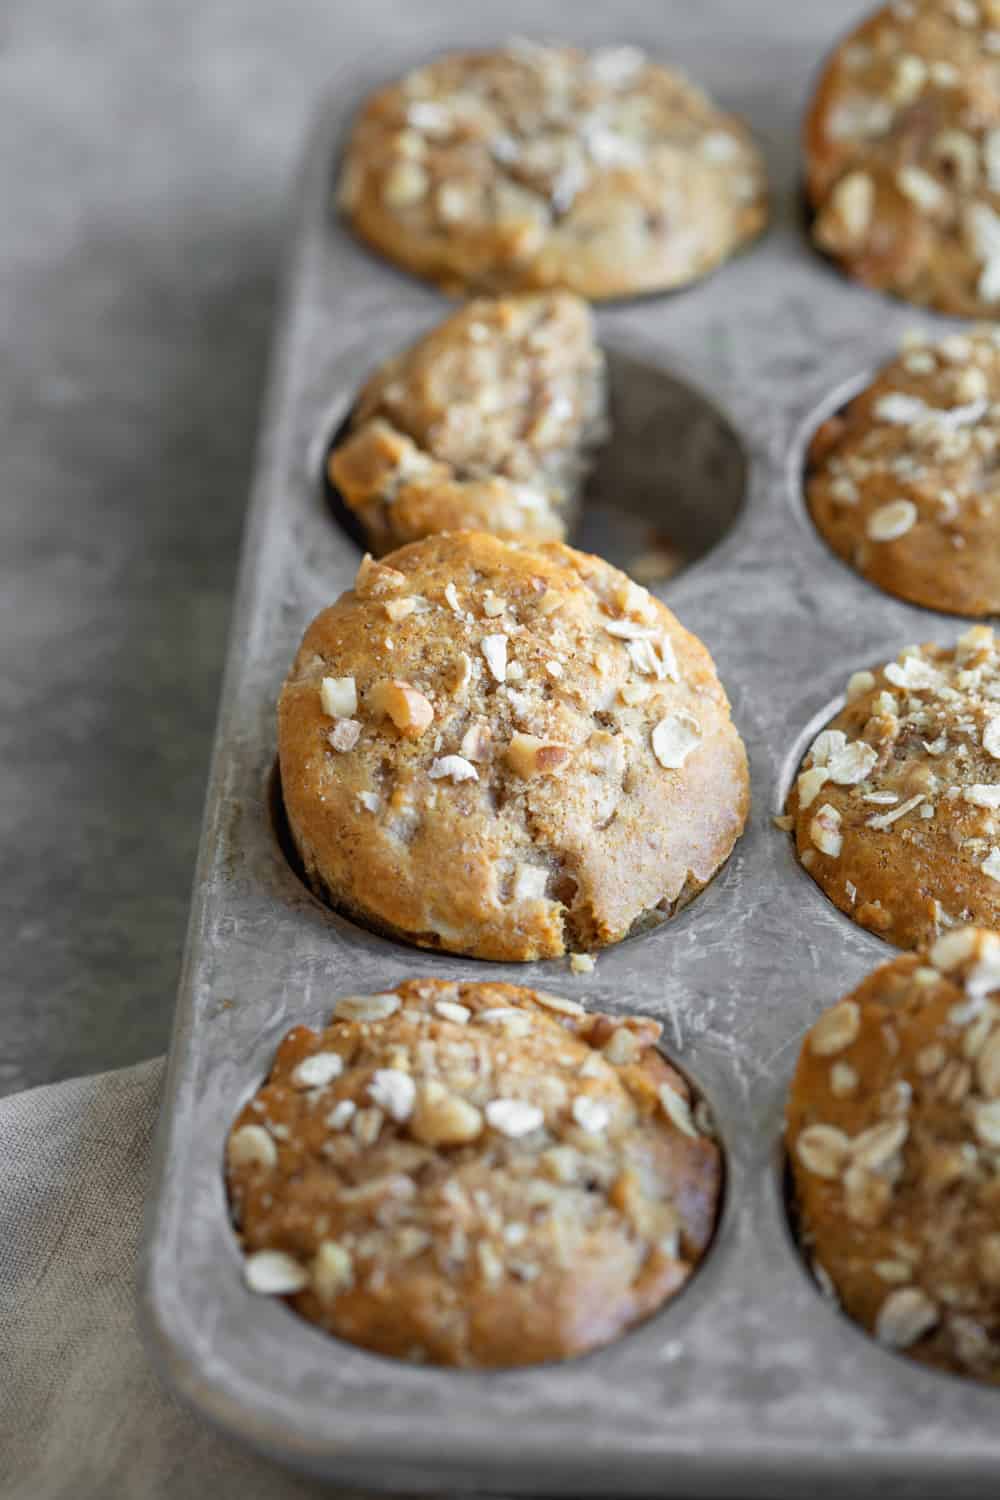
(317, 1071)
(582, 963)
(905, 1317)
(835, 1030)
(252, 1146)
(514, 1117)
(366, 1007)
(677, 1110)
(374, 578)
(441, 1118)
(341, 1114)
(345, 735)
(824, 830)
(476, 742)
(394, 1092)
(410, 711)
(339, 697)
(332, 1271)
(530, 756)
(592, 1115)
(273, 1273)
(494, 649)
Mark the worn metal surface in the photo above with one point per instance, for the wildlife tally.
(748, 1384)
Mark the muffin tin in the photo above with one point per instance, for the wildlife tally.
(748, 1383)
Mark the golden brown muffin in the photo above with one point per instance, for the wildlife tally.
(488, 423)
(541, 166)
(902, 148)
(897, 805)
(506, 750)
(904, 483)
(473, 1174)
(893, 1134)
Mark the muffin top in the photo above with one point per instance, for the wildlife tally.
(506, 750)
(473, 1174)
(904, 483)
(897, 804)
(893, 1133)
(538, 166)
(902, 146)
(486, 423)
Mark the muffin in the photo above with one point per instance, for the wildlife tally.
(902, 154)
(904, 483)
(506, 750)
(893, 1134)
(473, 1175)
(541, 166)
(488, 423)
(896, 809)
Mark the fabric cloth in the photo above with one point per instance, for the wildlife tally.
(83, 1415)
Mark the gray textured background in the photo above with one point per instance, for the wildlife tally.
(147, 149)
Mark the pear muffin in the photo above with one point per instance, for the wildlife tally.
(893, 1134)
(473, 1175)
(896, 808)
(506, 750)
(532, 166)
(904, 483)
(902, 154)
(488, 423)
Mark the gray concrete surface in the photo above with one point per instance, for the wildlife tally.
(147, 149)
(145, 154)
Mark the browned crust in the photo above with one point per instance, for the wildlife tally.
(493, 1250)
(650, 221)
(512, 863)
(912, 1208)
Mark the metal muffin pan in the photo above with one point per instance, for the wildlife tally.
(749, 1383)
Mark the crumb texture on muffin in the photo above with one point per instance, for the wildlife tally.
(904, 483)
(902, 146)
(473, 1174)
(893, 1135)
(488, 423)
(542, 166)
(506, 750)
(896, 806)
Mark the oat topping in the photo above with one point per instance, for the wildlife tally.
(317, 1071)
(252, 1146)
(674, 738)
(895, 1151)
(459, 1176)
(274, 1274)
(896, 804)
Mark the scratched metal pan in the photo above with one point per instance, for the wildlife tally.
(749, 1384)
